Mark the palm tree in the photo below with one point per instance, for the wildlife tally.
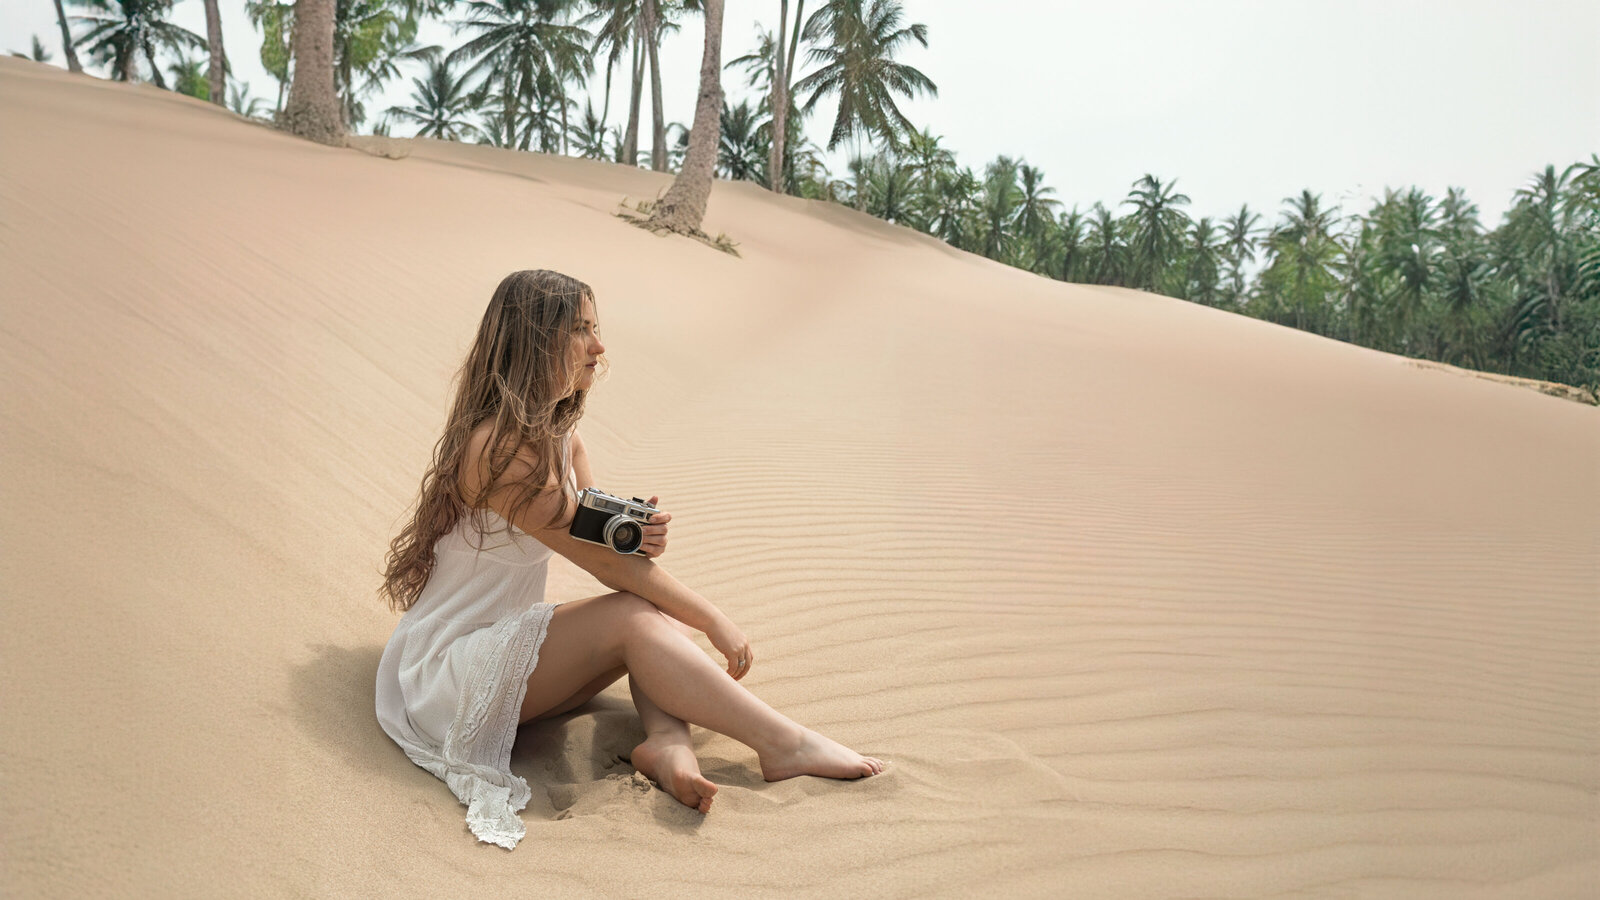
(216, 74)
(638, 39)
(368, 37)
(684, 207)
(1067, 241)
(779, 70)
(650, 23)
(590, 134)
(857, 54)
(927, 158)
(517, 42)
(949, 206)
(761, 74)
(1407, 250)
(276, 21)
(1540, 222)
(614, 34)
(131, 28)
(1239, 248)
(1107, 249)
(643, 23)
(1463, 288)
(1035, 211)
(780, 97)
(66, 39)
(891, 189)
(660, 20)
(1305, 255)
(742, 152)
(758, 65)
(1158, 230)
(187, 78)
(440, 103)
(998, 209)
(240, 101)
(570, 62)
(1205, 248)
(313, 111)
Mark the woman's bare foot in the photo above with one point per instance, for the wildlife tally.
(674, 768)
(817, 755)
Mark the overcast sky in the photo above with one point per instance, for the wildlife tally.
(1241, 101)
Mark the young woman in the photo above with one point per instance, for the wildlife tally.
(478, 651)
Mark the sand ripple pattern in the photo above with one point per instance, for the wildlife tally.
(1138, 599)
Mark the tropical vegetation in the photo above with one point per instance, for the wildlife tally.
(1412, 274)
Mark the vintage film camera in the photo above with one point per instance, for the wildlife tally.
(604, 519)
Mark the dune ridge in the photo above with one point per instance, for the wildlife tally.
(1138, 598)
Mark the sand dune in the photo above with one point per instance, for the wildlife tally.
(1138, 598)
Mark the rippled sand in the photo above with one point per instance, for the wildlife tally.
(1137, 597)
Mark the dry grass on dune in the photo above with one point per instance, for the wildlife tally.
(1138, 598)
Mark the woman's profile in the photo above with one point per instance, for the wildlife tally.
(478, 651)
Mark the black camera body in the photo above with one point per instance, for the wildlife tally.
(605, 519)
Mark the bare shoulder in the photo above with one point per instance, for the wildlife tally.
(582, 470)
(475, 469)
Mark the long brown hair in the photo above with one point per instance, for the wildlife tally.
(518, 374)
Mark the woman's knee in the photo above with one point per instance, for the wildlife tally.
(637, 615)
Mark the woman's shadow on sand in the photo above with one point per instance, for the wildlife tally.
(564, 759)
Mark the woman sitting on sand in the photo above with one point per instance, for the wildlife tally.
(479, 652)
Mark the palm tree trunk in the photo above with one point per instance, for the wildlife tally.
(216, 76)
(535, 112)
(605, 107)
(66, 40)
(780, 94)
(684, 206)
(313, 111)
(130, 62)
(155, 70)
(658, 131)
(508, 110)
(630, 140)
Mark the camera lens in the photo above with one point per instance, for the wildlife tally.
(624, 534)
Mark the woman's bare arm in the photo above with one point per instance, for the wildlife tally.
(637, 575)
(616, 571)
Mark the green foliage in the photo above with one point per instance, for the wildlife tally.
(123, 31)
(1413, 275)
(856, 45)
(276, 21)
(189, 77)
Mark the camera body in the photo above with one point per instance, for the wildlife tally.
(602, 518)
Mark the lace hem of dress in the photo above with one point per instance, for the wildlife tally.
(477, 749)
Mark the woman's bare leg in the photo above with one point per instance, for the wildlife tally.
(590, 637)
(584, 694)
(667, 754)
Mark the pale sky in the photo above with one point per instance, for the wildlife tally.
(1241, 101)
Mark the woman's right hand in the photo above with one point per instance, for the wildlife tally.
(731, 642)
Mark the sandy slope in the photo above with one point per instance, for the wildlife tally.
(1139, 598)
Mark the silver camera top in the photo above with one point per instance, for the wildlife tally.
(594, 498)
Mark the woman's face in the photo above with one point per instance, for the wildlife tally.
(586, 347)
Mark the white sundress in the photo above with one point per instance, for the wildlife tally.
(454, 673)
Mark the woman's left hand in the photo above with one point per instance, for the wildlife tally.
(655, 532)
